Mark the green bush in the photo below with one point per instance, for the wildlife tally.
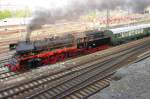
(5, 14)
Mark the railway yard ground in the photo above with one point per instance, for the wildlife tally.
(132, 83)
(121, 69)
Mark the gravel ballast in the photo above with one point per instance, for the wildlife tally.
(132, 82)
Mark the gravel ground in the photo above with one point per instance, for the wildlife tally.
(131, 82)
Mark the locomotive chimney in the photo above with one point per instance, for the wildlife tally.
(28, 36)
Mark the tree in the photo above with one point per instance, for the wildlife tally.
(23, 13)
(18, 13)
(5, 14)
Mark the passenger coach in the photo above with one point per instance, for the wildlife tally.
(125, 34)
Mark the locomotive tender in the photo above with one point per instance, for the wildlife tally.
(58, 48)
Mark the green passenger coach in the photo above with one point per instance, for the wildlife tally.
(125, 34)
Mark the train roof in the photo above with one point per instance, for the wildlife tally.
(129, 28)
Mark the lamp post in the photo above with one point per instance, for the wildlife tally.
(107, 16)
(6, 25)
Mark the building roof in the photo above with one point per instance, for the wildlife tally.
(129, 28)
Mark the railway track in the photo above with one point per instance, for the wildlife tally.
(49, 69)
(4, 51)
(75, 84)
(5, 56)
(25, 89)
(40, 82)
(5, 60)
(4, 71)
(8, 32)
(89, 90)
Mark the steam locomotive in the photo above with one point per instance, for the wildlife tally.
(32, 54)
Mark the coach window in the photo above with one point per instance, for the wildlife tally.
(141, 30)
(137, 31)
(129, 33)
(133, 32)
(116, 35)
(126, 34)
(119, 35)
(123, 34)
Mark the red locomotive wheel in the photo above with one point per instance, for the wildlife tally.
(46, 61)
(53, 60)
(61, 57)
(14, 69)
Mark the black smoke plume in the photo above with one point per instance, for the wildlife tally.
(75, 8)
